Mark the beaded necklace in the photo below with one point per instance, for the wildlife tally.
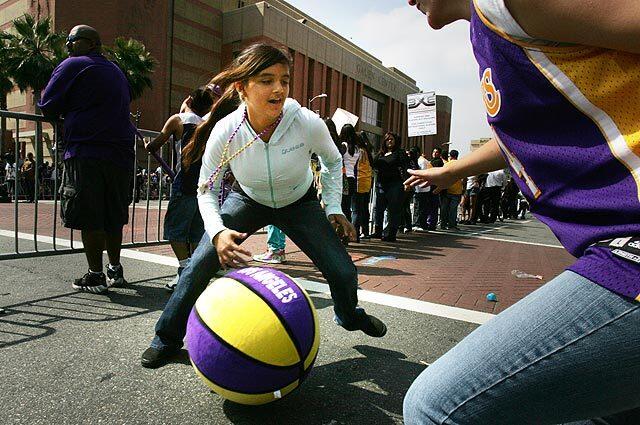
(224, 161)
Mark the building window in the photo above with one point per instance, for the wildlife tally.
(371, 111)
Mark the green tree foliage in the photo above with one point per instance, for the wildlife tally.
(32, 51)
(6, 85)
(135, 61)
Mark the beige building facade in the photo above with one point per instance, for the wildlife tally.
(478, 143)
(192, 40)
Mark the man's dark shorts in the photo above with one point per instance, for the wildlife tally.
(95, 195)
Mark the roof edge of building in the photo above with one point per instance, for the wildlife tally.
(341, 41)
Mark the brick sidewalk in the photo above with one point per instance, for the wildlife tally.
(449, 269)
(446, 269)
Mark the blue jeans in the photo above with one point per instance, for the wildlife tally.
(348, 200)
(360, 216)
(567, 352)
(305, 223)
(449, 210)
(432, 207)
(276, 239)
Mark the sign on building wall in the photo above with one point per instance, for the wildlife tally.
(421, 114)
(342, 117)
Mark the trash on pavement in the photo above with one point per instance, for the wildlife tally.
(523, 275)
(374, 260)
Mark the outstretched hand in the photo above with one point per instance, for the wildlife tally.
(342, 225)
(230, 253)
(437, 176)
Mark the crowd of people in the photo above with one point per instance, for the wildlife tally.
(21, 175)
(373, 186)
(398, 208)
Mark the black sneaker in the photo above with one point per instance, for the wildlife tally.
(174, 282)
(366, 323)
(153, 358)
(373, 326)
(91, 282)
(115, 277)
(172, 285)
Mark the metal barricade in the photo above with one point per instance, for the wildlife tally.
(44, 236)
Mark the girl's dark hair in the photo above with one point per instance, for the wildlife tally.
(349, 137)
(201, 101)
(334, 134)
(389, 134)
(414, 153)
(250, 62)
(195, 147)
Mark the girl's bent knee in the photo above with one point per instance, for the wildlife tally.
(416, 408)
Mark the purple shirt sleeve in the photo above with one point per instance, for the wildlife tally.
(52, 100)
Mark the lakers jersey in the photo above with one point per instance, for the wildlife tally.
(567, 119)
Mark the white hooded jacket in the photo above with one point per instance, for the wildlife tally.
(274, 174)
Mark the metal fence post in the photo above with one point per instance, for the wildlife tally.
(15, 182)
(36, 183)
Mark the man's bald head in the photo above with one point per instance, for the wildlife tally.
(83, 40)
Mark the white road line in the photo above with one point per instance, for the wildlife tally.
(520, 242)
(477, 235)
(403, 303)
(409, 304)
(139, 205)
(490, 229)
(127, 253)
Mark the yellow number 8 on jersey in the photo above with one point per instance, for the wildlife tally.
(490, 95)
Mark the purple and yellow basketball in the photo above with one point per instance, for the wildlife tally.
(253, 335)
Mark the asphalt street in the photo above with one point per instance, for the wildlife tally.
(73, 358)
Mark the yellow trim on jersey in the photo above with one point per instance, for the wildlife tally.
(522, 43)
(610, 80)
(586, 93)
(517, 166)
(245, 321)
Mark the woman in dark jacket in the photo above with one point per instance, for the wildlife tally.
(390, 164)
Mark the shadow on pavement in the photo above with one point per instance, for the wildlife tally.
(35, 319)
(375, 383)
(413, 246)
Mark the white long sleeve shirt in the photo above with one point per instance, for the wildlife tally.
(496, 179)
(274, 174)
(423, 163)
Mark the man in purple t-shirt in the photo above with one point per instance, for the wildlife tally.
(93, 96)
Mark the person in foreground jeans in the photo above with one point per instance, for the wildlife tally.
(559, 82)
(267, 142)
